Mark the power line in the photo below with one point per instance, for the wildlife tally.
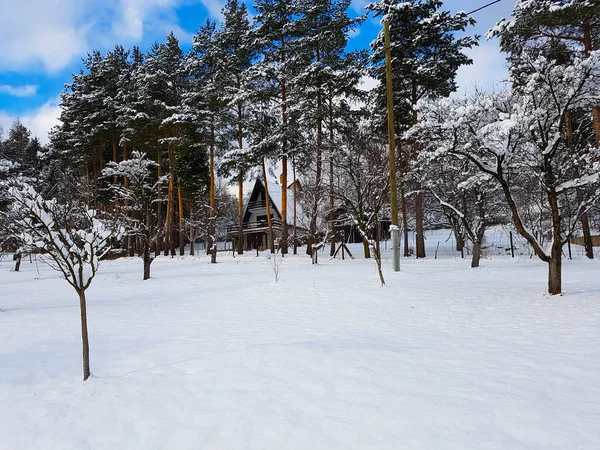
(483, 7)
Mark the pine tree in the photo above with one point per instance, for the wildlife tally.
(236, 59)
(426, 55)
(15, 146)
(205, 65)
(323, 27)
(161, 85)
(275, 35)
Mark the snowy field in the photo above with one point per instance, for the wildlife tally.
(222, 357)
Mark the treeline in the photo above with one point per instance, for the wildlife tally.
(149, 134)
(280, 91)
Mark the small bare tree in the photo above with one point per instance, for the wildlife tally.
(276, 260)
(362, 187)
(71, 239)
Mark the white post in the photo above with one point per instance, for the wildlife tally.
(395, 232)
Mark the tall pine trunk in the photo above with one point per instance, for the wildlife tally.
(268, 207)
(284, 227)
(159, 205)
(420, 244)
(318, 172)
(170, 241)
(240, 242)
(181, 223)
(211, 247)
(295, 246)
(331, 199)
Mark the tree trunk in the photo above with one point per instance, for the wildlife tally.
(171, 204)
(477, 246)
(420, 241)
(555, 261)
(284, 227)
(240, 137)
(114, 149)
(181, 224)
(378, 256)
(240, 242)
(596, 115)
(554, 275)
(331, 199)
(404, 219)
(268, 207)
(585, 228)
(159, 205)
(367, 249)
(420, 244)
(460, 242)
(147, 259)
(125, 179)
(18, 258)
(192, 231)
(295, 246)
(84, 335)
(210, 247)
(318, 172)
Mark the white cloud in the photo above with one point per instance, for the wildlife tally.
(487, 71)
(29, 90)
(39, 121)
(51, 33)
(214, 8)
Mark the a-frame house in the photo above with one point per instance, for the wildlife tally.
(255, 224)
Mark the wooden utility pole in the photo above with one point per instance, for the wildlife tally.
(394, 229)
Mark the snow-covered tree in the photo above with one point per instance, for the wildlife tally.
(161, 84)
(70, 238)
(471, 202)
(518, 138)
(556, 29)
(275, 35)
(137, 210)
(237, 56)
(326, 76)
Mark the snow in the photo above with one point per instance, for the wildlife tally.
(221, 356)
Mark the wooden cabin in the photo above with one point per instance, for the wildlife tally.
(255, 224)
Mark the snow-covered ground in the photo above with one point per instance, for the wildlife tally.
(222, 357)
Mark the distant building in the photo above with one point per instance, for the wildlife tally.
(255, 224)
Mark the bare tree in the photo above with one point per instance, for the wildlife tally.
(362, 187)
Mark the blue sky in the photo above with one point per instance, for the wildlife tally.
(43, 42)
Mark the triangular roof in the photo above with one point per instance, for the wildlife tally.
(275, 197)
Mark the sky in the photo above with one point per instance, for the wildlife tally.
(43, 42)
